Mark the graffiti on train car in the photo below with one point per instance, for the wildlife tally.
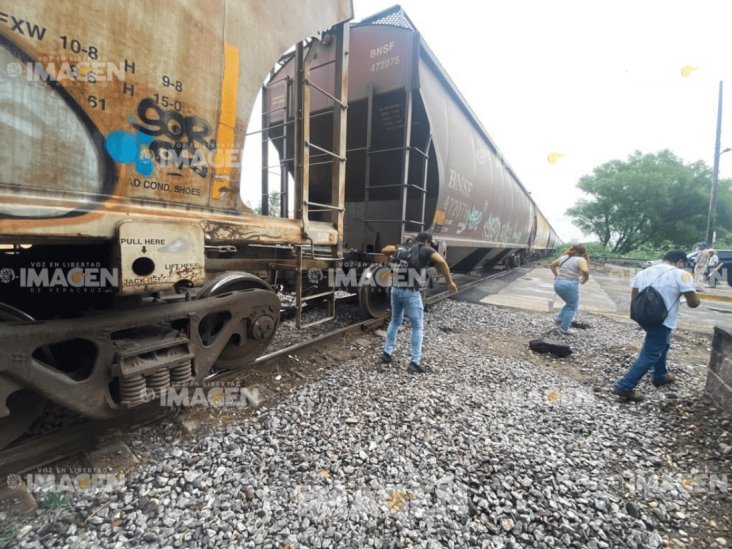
(164, 136)
(455, 211)
(460, 183)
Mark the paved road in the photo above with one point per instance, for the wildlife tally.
(607, 292)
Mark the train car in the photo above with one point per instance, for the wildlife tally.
(122, 125)
(544, 239)
(418, 157)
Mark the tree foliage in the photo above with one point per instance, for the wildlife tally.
(650, 200)
(275, 199)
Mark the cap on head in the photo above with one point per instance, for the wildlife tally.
(675, 256)
(702, 245)
(425, 238)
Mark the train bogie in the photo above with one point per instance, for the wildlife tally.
(122, 131)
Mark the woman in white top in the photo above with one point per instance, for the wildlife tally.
(570, 270)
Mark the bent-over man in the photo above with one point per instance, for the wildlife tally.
(406, 294)
(671, 282)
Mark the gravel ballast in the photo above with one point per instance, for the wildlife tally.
(497, 447)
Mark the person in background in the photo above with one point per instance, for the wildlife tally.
(406, 295)
(712, 266)
(570, 270)
(671, 282)
(700, 265)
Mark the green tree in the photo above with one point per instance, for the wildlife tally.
(275, 199)
(651, 200)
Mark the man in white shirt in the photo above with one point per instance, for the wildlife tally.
(671, 282)
(712, 269)
(700, 266)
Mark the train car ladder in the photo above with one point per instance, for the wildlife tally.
(332, 255)
(405, 223)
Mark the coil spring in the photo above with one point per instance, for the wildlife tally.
(181, 375)
(159, 380)
(132, 389)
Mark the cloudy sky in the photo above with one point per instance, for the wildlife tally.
(591, 80)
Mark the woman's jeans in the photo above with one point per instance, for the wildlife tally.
(652, 356)
(568, 290)
(410, 300)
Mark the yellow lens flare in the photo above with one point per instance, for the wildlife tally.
(217, 397)
(686, 70)
(397, 500)
(552, 157)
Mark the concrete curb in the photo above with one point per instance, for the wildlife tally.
(703, 296)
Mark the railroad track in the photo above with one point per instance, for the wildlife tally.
(49, 448)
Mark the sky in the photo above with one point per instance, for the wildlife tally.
(591, 80)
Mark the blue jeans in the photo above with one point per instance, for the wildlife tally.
(568, 290)
(411, 301)
(652, 355)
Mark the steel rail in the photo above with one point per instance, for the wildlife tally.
(49, 448)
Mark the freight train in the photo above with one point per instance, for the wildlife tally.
(417, 156)
(128, 261)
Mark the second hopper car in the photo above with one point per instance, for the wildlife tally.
(418, 157)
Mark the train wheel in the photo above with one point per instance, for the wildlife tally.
(373, 294)
(23, 406)
(250, 339)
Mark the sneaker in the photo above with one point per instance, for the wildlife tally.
(635, 396)
(386, 358)
(568, 331)
(415, 368)
(668, 379)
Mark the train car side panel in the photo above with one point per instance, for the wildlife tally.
(479, 199)
(95, 119)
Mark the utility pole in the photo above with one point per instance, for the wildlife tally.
(711, 220)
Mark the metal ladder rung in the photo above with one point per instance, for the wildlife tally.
(325, 93)
(316, 296)
(316, 322)
(318, 258)
(400, 185)
(326, 151)
(392, 221)
(326, 206)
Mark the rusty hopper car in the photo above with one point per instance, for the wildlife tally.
(418, 158)
(122, 125)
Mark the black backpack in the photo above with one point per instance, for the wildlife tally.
(648, 308)
(405, 258)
